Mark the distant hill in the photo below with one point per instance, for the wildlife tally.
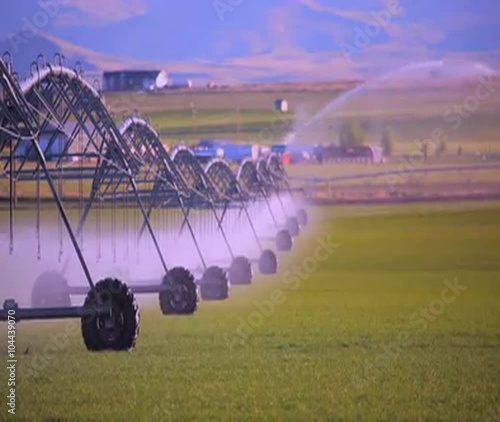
(28, 51)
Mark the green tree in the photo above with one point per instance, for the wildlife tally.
(386, 142)
(351, 135)
(441, 148)
(425, 150)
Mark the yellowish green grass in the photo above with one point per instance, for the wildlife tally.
(366, 335)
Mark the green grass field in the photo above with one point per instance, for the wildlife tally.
(372, 332)
(248, 116)
(71, 188)
(412, 112)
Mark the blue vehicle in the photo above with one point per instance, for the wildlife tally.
(206, 153)
(231, 151)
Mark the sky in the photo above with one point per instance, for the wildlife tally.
(234, 41)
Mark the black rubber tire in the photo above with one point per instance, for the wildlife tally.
(214, 285)
(302, 217)
(181, 296)
(240, 271)
(268, 262)
(284, 241)
(292, 225)
(97, 338)
(50, 291)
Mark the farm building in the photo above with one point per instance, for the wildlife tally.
(135, 80)
(295, 153)
(281, 105)
(361, 154)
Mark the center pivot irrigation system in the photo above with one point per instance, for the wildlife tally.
(99, 170)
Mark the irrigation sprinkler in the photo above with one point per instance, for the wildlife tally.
(259, 189)
(212, 208)
(175, 194)
(273, 171)
(118, 175)
(110, 314)
(233, 195)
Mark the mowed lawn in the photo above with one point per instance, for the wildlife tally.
(400, 320)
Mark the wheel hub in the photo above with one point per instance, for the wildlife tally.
(179, 293)
(110, 326)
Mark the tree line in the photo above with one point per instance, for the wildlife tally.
(353, 135)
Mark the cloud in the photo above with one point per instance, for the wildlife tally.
(414, 35)
(98, 12)
(282, 27)
(101, 61)
(296, 65)
(350, 14)
(256, 42)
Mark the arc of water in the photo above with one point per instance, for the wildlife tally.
(464, 70)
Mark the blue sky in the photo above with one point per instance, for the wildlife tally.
(253, 40)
